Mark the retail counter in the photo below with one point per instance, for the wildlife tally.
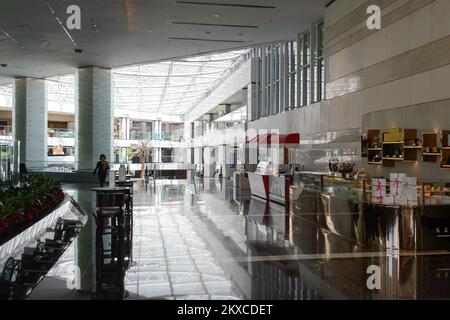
(270, 187)
(241, 186)
(344, 207)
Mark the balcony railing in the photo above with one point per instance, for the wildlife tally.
(61, 133)
(155, 136)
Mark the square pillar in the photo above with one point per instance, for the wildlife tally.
(30, 121)
(94, 117)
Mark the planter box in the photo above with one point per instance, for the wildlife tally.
(29, 233)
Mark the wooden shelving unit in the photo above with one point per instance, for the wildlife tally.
(374, 147)
(445, 161)
(386, 148)
(430, 147)
(411, 146)
(393, 143)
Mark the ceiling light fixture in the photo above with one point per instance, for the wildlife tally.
(96, 27)
(241, 5)
(207, 40)
(215, 24)
(216, 15)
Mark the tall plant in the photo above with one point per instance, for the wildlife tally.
(143, 151)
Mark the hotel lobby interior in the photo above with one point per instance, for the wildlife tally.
(225, 150)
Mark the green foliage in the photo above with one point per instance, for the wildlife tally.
(37, 197)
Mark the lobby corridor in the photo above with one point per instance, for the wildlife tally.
(197, 241)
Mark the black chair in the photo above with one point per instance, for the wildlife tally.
(8, 278)
(64, 232)
(40, 258)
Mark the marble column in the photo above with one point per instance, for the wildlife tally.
(94, 117)
(124, 129)
(30, 121)
(156, 135)
(85, 251)
(251, 100)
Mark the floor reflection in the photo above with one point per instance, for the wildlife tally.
(198, 241)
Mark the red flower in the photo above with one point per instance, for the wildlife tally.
(5, 226)
(30, 216)
(15, 217)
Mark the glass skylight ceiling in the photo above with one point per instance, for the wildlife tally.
(172, 87)
(61, 93)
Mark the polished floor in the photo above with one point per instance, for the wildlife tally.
(197, 240)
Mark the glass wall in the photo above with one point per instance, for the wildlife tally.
(292, 98)
(291, 74)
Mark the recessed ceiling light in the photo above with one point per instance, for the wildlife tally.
(216, 15)
(96, 27)
(148, 30)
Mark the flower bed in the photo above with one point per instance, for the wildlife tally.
(21, 207)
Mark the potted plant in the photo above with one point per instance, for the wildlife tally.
(143, 151)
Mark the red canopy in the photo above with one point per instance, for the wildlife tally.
(274, 138)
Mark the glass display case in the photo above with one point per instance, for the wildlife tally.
(344, 188)
(393, 214)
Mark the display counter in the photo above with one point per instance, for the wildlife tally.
(270, 187)
(241, 185)
(272, 179)
(350, 208)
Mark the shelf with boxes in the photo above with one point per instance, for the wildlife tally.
(445, 140)
(373, 147)
(431, 151)
(395, 145)
(412, 146)
(387, 148)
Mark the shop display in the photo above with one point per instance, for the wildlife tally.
(394, 135)
(399, 213)
(445, 164)
(378, 190)
(397, 145)
(273, 176)
(430, 147)
(342, 168)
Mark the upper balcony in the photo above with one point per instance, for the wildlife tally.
(151, 136)
(5, 133)
(61, 137)
(61, 133)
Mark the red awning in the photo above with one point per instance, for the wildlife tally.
(273, 138)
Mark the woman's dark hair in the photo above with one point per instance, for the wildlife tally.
(102, 156)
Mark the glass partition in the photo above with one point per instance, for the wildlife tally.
(9, 162)
(390, 192)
